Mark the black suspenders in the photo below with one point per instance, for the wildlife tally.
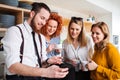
(22, 48)
(22, 45)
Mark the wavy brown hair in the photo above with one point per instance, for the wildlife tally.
(56, 17)
(105, 30)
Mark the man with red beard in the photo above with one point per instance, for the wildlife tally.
(25, 49)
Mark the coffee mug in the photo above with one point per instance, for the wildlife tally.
(58, 46)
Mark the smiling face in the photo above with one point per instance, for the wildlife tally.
(75, 30)
(97, 35)
(51, 27)
(39, 19)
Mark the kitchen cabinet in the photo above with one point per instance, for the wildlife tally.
(66, 22)
(87, 26)
(19, 13)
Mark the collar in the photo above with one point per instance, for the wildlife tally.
(27, 26)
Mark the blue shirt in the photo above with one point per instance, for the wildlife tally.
(55, 40)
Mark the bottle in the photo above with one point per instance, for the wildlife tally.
(93, 19)
(89, 18)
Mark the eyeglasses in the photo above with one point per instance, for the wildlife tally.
(77, 18)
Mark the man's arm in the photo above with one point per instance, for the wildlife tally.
(50, 72)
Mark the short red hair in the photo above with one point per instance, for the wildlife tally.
(56, 17)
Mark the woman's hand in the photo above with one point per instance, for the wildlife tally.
(92, 65)
(74, 62)
(50, 48)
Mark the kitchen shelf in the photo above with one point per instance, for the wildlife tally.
(19, 13)
(27, 1)
(3, 29)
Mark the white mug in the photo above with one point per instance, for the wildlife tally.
(58, 46)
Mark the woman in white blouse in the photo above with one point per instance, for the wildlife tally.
(78, 48)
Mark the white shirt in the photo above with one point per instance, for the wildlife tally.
(12, 42)
(80, 53)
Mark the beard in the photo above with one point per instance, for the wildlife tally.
(34, 27)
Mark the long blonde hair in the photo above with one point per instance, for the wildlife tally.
(82, 39)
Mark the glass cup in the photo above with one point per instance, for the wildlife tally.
(84, 63)
(77, 63)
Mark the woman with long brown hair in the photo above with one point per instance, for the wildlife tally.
(105, 64)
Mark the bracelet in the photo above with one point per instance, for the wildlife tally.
(48, 64)
(47, 61)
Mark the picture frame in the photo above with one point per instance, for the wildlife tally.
(115, 39)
